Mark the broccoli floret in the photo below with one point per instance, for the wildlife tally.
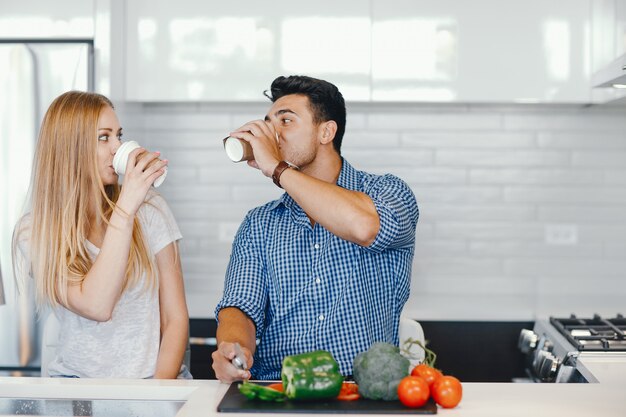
(379, 371)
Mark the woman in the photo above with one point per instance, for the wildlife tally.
(103, 257)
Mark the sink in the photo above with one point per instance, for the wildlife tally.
(108, 408)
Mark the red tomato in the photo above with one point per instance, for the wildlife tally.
(349, 392)
(447, 391)
(413, 391)
(426, 372)
(278, 386)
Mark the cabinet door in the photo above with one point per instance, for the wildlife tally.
(231, 51)
(374, 50)
(603, 34)
(480, 51)
(44, 19)
(620, 27)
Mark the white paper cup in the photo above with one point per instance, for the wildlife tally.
(120, 160)
(238, 150)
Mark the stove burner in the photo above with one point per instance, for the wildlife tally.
(593, 335)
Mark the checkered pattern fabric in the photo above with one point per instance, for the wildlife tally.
(306, 289)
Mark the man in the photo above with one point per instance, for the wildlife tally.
(326, 266)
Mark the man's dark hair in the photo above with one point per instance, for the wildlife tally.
(326, 101)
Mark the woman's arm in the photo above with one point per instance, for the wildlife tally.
(174, 315)
(96, 297)
(99, 292)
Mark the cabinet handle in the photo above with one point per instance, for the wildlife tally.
(203, 341)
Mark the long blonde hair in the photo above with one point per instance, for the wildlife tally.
(66, 183)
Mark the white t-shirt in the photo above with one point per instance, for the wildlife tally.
(126, 346)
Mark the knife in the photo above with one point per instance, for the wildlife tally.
(239, 361)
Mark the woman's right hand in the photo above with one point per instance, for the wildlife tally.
(139, 177)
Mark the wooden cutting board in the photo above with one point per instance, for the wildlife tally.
(235, 402)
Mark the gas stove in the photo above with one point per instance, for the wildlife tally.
(556, 348)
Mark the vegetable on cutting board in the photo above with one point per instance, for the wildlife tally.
(255, 391)
(311, 376)
(446, 390)
(378, 371)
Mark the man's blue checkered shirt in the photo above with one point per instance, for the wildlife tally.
(306, 289)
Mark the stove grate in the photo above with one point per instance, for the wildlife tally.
(596, 334)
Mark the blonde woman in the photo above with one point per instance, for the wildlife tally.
(104, 257)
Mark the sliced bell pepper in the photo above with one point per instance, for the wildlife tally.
(255, 391)
(349, 392)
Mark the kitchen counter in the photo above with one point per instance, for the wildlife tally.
(203, 396)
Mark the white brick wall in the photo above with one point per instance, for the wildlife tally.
(497, 188)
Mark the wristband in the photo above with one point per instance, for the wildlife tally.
(278, 171)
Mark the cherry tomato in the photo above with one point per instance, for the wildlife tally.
(349, 392)
(413, 391)
(426, 372)
(447, 391)
(278, 386)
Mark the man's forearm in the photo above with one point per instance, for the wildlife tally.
(350, 215)
(235, 326)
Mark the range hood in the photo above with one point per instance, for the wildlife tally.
(614, 74)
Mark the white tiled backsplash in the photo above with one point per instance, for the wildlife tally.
(522, 208)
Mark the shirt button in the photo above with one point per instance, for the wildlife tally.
(317, 246)
(318, 280)
(321, 317)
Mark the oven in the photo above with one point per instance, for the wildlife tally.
(563, 349)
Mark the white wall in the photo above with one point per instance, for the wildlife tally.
(523, 208)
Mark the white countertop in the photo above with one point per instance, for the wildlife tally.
(479, 399)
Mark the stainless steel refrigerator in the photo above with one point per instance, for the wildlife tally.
(32, 74)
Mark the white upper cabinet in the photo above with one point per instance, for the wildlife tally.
(37, 19)
(608, 33)
(377, 50)
(231, 51)
(620, 27)
(608, 30)
(480, 50)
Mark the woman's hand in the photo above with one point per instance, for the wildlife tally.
(141, 172)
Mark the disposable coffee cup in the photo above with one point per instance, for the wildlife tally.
(120, 160)
(238, 150)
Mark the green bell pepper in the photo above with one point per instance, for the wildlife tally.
(311, 376)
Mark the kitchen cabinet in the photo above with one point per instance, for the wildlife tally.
(376, 50)
(192, 50)
(479, 51)
(608, 31)
(35, 19)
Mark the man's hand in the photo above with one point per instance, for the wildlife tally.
(225, 371)
(264, 140)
